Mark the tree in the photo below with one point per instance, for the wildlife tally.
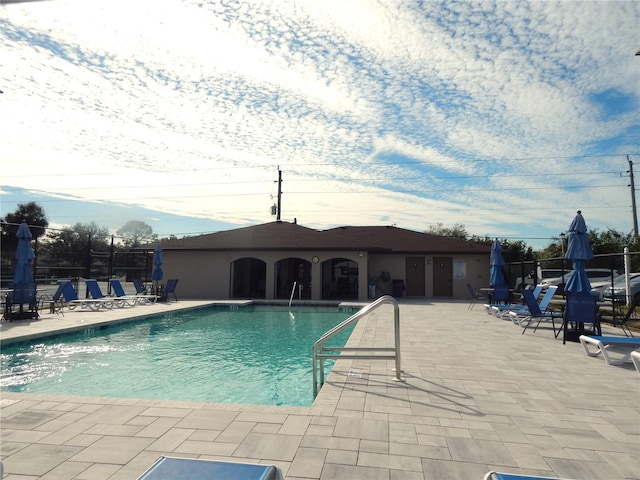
(71, 244)
(457, 231)
(31, 213)
(135, 233)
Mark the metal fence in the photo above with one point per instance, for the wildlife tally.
(520, 274)
(100, 263)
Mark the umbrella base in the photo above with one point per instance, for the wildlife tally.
(10, 316)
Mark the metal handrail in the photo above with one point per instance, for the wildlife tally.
(319, 350)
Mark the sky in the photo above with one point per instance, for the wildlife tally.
(504, 117)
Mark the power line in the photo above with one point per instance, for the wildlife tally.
(297, 180)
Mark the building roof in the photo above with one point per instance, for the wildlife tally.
(409, 241)
(291, 236)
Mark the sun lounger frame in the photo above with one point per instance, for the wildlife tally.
(635, 358)
(604, 346)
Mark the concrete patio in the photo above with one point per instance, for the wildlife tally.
(477, 396)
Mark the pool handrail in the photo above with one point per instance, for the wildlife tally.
(319, 347)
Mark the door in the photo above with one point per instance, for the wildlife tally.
(414, 268)
(442, 277)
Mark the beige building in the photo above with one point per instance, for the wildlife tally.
(278, 259)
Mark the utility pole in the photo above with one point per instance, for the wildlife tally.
(633, 199)
(280, 195)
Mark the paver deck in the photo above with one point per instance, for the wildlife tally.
(477, 396)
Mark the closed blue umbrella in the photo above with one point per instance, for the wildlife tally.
(157, 273)
(496, 276)
(578, 251)
(24, 256)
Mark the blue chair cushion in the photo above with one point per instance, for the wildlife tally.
(168, 468)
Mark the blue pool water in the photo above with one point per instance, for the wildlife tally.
(258, 355)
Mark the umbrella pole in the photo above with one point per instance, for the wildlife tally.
(35, 261)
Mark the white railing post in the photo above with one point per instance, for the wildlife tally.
(319, 349)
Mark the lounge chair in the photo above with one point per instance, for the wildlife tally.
(520, 314)
(515, 476)
(475, 297)
(502, 311)
(198, 469)
(635, 358)
(139, 286)
(581, 310)
(96, 293)
(138, 298)
(535, 313)
(606, 345)
(71, 297)
(543, 304)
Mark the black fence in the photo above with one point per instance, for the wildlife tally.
(114, 262)
(520, 274)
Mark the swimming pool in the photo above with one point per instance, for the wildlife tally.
(258, 355)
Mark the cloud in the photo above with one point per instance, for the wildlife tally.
(419, 112)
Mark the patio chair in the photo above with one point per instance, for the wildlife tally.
(622, 322)
(500, 294)
(96, 293)
(623, 346)
(169, 289)
(535, 313)
(95, 304)
(475, 297)
(55, 301)
(138, 298)
(581, 310)
(21, 295)
(197, 469)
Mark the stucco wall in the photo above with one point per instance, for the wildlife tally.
(476, 272)
(207, 275)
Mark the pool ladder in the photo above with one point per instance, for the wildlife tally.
(322, 352)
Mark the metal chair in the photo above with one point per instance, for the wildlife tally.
(475, 297)
(622, 322)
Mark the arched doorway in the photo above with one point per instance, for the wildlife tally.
(339, 279)
(248, 278)
(290, 271)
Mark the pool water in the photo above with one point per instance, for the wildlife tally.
(257, 355)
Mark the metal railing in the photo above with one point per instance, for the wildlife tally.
(322, 352)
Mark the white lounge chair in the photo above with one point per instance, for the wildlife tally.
(535, 312)
(623, 346)
(192, 468)
(635, 358)
(502, 311)
(515, 476)
(71, 297)
(138, 298)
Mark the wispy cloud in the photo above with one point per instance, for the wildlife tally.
(503, 116)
